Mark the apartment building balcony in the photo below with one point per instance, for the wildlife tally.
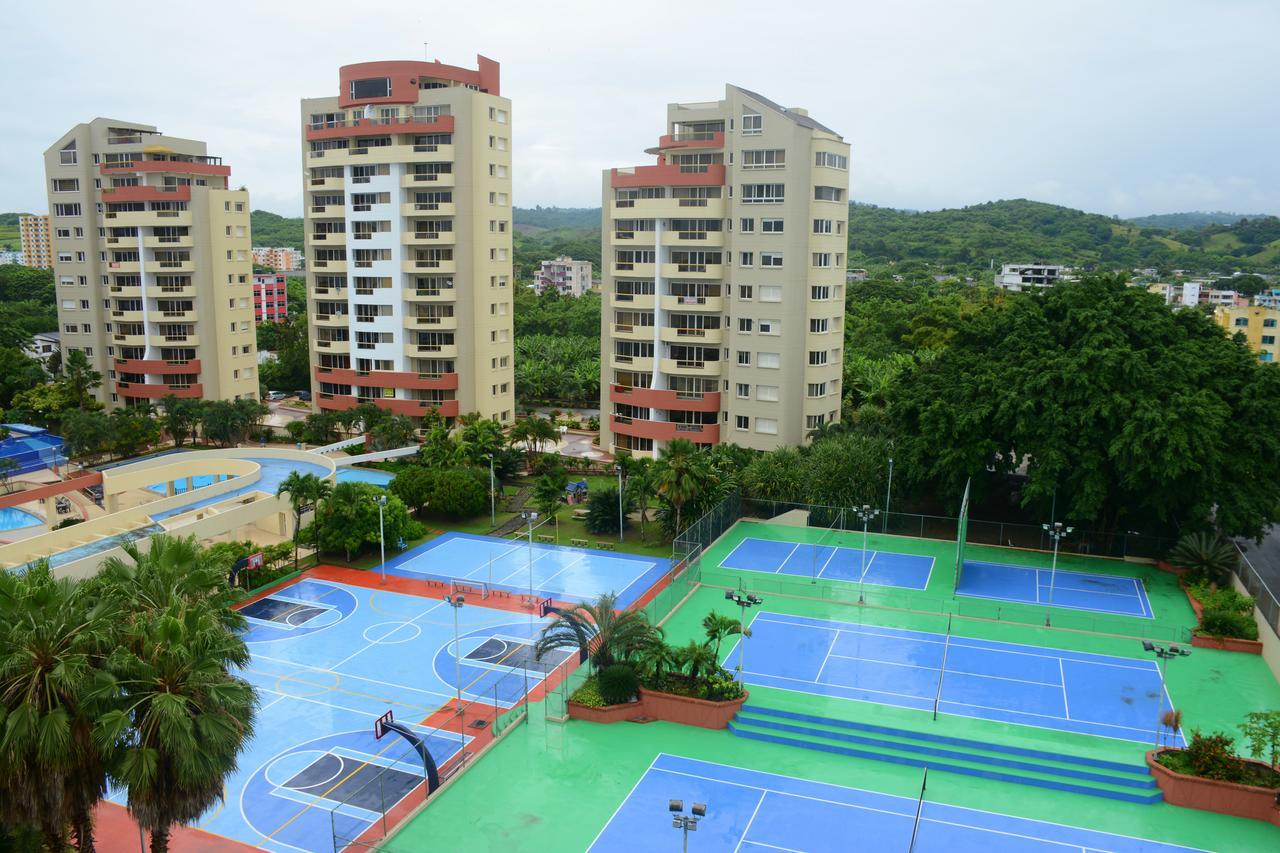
(126, 290)
(429, 238)
(329, 238)
(336, 347)
(331, 184)
(443, 294)
(327, 211)
(684, 367)
(628, 269)
(329, 267)
(411, 408)
(188, 316)
(441, 208)
(332, 321)
(361, 127)
(427, 181)
(655, 398)
(693, 239)
(177, 167)
(185, 241)
(668, 208)
(664, 430)
(389, 379)
(448, 267)
(639, 301)
(426, 153)
(710, 337)
(332, 292)
(709, 304)
(191, 340)
(115, 195)
(127, 317)
(696, 271)
(431, 350)
(668, 175)
(147, 218)
(156, 366)
(177, 266)
(125, 267)
(699, 139)
(629, 332)
(432, 323)
(154, 391)
(640, 364)
(129, 340)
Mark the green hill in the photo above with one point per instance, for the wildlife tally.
(271, 229)
(552, 218)
(1191, 219)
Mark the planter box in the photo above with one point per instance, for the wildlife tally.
(1228, 644)
(667, 707)
(1213, 796)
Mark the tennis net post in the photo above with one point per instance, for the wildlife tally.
(915, 826)
(962, 532)
(942, 671)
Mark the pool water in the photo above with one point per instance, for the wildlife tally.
(180, 485)
(16, 519)
(365, 475)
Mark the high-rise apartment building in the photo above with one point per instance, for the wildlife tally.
(723, 280)
(408, 240)
(564, 275)
(270, 297)
(151, 263)
(37, 240)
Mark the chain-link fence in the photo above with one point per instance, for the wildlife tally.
(1264, 595)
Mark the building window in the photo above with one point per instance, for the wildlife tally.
(770, 293)
(767, 426)
(817, 357)
(770, 259)
(813, 421)
(741, 422)
(771, 226)
(744, 325)
(746, 259)
(752, 124)
(374, 87)
(767, 393)
(769, 360)
(818, 325)
(828, 194)
(748, 225)
(822, 259)
(831, 160)
(763, 193)
(1269, 323)
(766, 158)
(744, 358)
(817, 389)
(1268, 339)
(820, 292)
(770, 327)
(66, 185)
(1242, 321)
(822, 226)
(744, 292)
(743, 391)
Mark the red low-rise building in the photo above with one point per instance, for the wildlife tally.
(270, 300)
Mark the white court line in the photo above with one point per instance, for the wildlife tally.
(625, 799)
(371, 645)
(834, 550)
(1079, 607)
(950, 670)
(542, 584)
(770, 846)
(750, 821)
(737, 548)
(1057, 588)
(830, 649)
(788, 559)
(308, 668)
(1063, 675)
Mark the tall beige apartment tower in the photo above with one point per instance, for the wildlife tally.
(408, 240)
(723, 280)
(151, 260)
(37, 240)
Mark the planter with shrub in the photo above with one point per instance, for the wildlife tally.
(1209, 775)
(1225, 617)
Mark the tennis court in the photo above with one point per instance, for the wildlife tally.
(1093, 694)
(748, 810)
(327, 660)
(552, 571)
(830, 562)
(1118, 594)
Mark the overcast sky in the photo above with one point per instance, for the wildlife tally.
(1122, 107)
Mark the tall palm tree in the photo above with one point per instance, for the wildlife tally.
(598, 631)
(679, 475)
(655, 660)
(638, 482)
(174, 569)
(53, 639)
(718, 626)
(301, 489)
(696, 659)
(184, 718)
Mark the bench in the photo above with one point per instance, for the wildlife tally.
(578, 543)
(605, 546)
(545, 539)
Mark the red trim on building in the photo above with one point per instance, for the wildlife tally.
(150, 391)
(412, 408)
(116, 195)
(178, 167)
(654, 398)
(665, 430)
(405, 74)
(156, 366)
(357, 127)
(388, 379)
(663, 175)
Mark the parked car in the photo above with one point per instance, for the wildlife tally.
(304, 396)
(276, 396)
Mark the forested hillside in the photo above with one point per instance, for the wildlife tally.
(271, 229)
(1191, 219)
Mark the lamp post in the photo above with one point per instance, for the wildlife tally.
(618, 468)
(381, 501)
(530, 517)
(686, 823)
(493, 507)
(865, 513)
(1056, 531)
(455, 601)
(743, 602)
(888, 493)
(1163, 653)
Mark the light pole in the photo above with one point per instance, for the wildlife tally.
(743, 602)
(1163, 653)
(888, 493)
(455, 602)
(529, 517)
(1056, 531)
(381, 501)
(493, 506)
(686, 823)
(618, 468)
(866, 513)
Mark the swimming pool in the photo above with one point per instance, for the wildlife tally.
(365, 475)
(180, 485)
(16, 519)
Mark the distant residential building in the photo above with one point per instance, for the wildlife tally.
(1259, 325)
(1268, 298)
(279, 258)
(855, 275)
(1197, 292)
(564, 274)
(1020, 277)
(270, 300)
(11, 258)
(37, 241)
(42, 346)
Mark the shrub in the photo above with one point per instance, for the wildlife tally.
(602, 511)
(67, 522)
(1224, 598)
(618, 684)
(1212, 756)
(589, 694)
(721, 687)
(1228, 624)
(1209, 557)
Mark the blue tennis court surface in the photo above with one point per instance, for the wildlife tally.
(830, 562)
(1076, 590)
(748, 810)
(327, 660)
(558, 571)
(1048, 688)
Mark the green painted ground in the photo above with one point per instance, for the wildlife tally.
(552, 786)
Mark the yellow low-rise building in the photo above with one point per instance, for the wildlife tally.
(1258, 324)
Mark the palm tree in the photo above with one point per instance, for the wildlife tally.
(679, 475)
(1207, 555)
(301, 489)
(548, 492)
(696, 659)
(173, 570)
(638, 482)
(614, 635)
(53, 639)
(392, 432)
(184, 718)
(655, 659)
(718, 626)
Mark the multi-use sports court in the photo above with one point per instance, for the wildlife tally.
(1101, 695)
(749, 810)
(548, 571)
(831, 562)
